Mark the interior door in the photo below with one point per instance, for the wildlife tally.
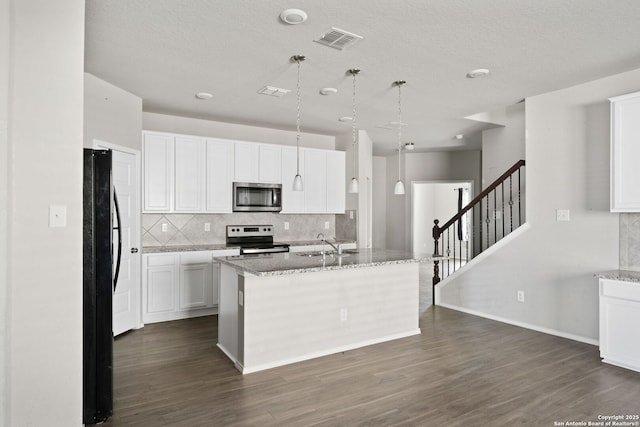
(126, 297)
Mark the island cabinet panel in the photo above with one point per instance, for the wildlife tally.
(275, 320)
(619, 320)
(625, 153)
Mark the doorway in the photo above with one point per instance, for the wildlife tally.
(126, 181)
(439, 200)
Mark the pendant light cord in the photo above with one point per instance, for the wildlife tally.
(354, 72)
(298, 122)
(399, 125)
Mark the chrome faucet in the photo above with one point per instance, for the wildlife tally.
(338, 248)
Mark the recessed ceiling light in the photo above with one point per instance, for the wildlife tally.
(328, 91)
(346, 119)
(479, 72)
(409, 146)
(204, 95)
(459, 136)
(293, 16)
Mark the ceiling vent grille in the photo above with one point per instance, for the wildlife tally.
(273, 91)
(338, 39)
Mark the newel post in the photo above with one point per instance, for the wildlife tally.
(436, 261)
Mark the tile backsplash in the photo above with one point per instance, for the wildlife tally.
(189, 229)
(630, 241)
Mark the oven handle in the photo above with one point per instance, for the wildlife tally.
(249, 251)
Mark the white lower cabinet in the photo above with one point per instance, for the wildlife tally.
(619, 320)
(179, 285)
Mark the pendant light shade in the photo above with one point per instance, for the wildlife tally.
(353, 185)
(399, 187)
(297, 180)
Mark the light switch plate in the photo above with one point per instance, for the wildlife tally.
(562, 215)
(326, 225)
(57, 216)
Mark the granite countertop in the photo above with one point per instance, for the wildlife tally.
(291, 263)
(186, 248)
(221, 246)
(622, 275)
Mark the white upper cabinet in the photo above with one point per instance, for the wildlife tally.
(625, 153)
(247, 159)
(335, 181)
(189, 174)
(219, 175)
(270, 164)
(315, 181)
(158, 172)
(194, 174)
(292, 201)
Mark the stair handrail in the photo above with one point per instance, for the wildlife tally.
(437, 231)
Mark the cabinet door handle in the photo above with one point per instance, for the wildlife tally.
(134, 250)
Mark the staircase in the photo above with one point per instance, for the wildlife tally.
(488, 218)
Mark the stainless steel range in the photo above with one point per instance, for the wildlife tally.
(254, 239)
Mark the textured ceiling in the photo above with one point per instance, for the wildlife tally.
(167, 50)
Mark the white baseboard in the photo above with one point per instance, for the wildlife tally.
(549, 331)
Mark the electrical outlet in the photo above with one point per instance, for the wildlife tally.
(326, 225)
(497, 214)
(207, 226)
(165, 227)
(344, 315)
(286, 225)
(350, 214)
(520, 296)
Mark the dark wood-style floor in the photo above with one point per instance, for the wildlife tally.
(461, 371)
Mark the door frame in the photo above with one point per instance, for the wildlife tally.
(101, 144)
(412, 202)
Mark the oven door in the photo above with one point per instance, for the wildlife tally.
(257, 197)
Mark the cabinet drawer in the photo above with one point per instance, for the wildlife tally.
(618, 289)
(160, 259)
(201, 257)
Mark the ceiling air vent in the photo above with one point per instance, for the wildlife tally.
(273, 91)
(338, 39)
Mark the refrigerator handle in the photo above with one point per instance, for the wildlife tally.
(115, 202)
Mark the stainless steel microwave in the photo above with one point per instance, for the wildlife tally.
(257, 197)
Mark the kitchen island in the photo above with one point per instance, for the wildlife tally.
(282, 308)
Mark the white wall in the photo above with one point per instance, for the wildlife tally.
(5, 25)
(43, 282)
(432, 200)
(365, 198)
(502, 147)
(432, 166)
(111, 114)
(198, 127)
(567, 154)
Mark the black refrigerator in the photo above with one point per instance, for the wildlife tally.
(99, 278)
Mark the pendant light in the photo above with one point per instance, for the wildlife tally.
(353, 184)
(399, 187)
(297, 181)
